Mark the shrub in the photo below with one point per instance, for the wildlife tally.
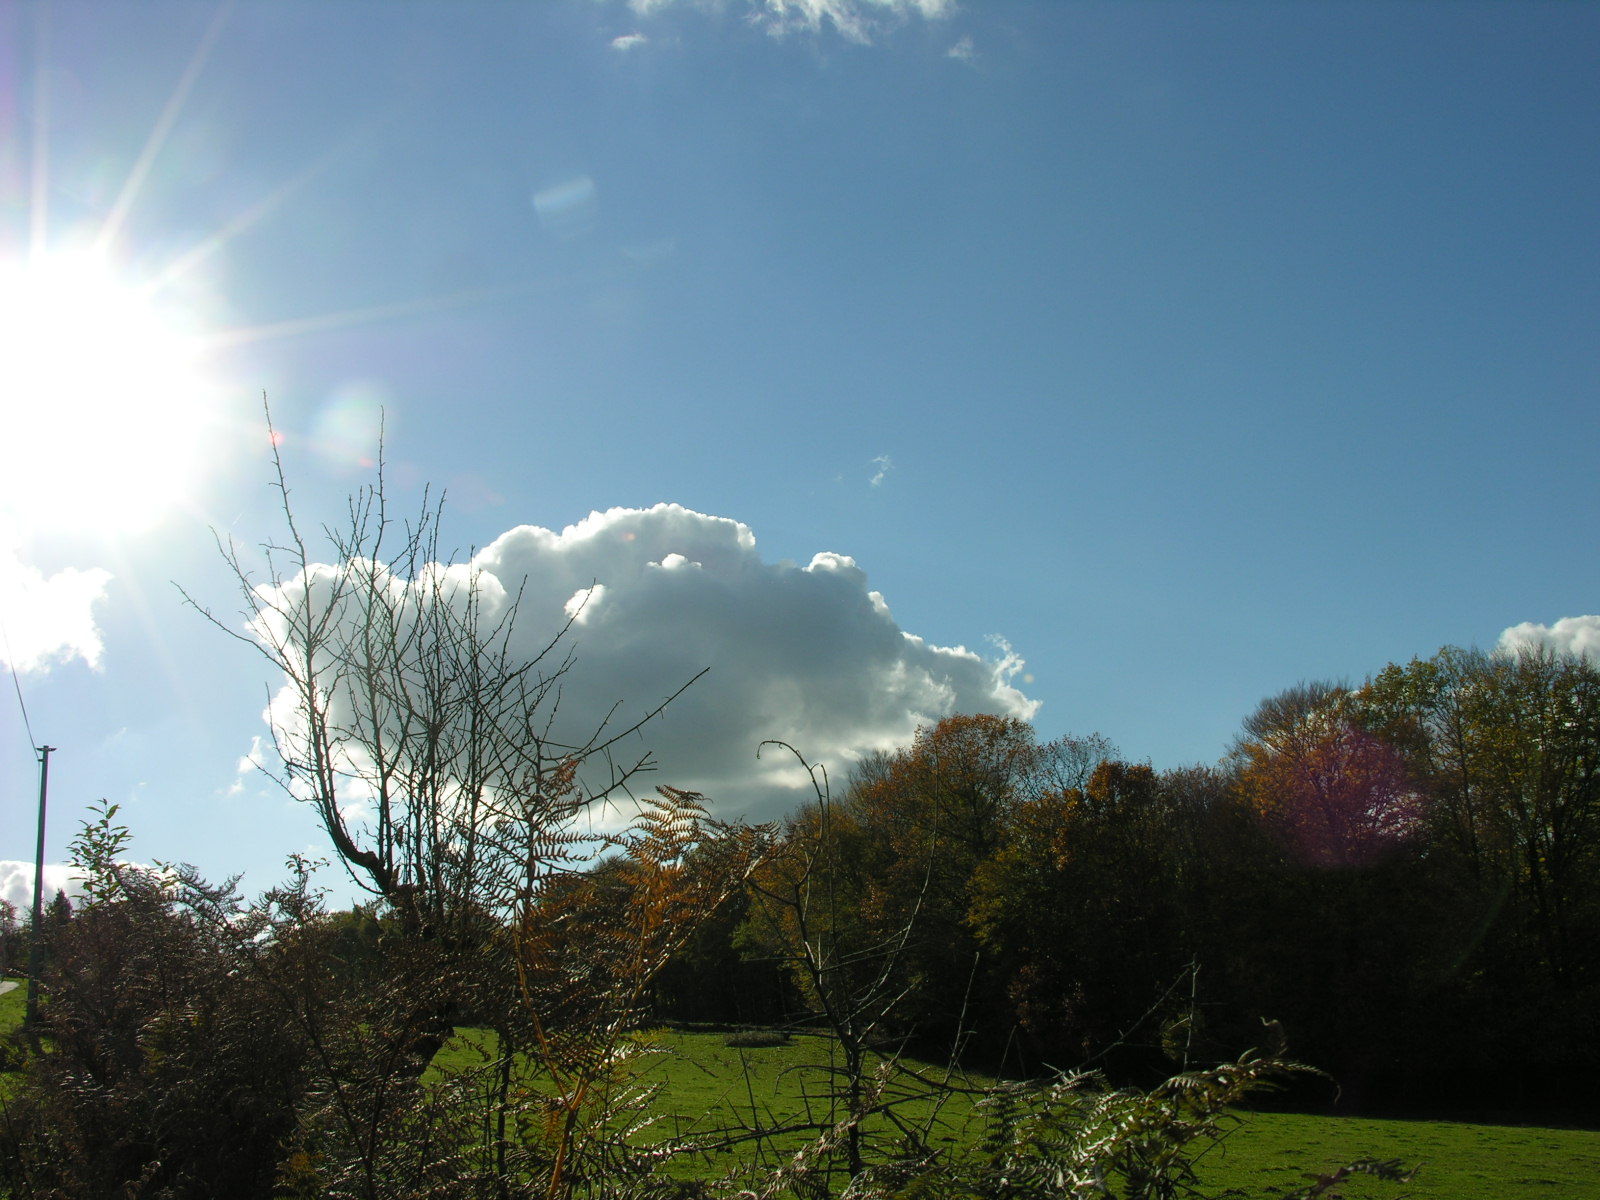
(747, 1039)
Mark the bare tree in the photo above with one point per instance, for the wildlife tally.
(806, 907)
(410, 717)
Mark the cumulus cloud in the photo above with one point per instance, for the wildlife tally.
(963, 50)
(48, 619)
(16, 883)
(881, 466)
(1569, 635)
(810, 655)
(628, 41)
(856, 20)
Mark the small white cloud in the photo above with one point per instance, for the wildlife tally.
(963, 50)
(569, 208)
(855, 20)
(882, 465)
(1569, 635)
(251, 763)
(48, 619)
(628, 41)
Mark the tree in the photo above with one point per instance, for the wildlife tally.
(1509, 747)
(1335, 794)
(1082, 910)
(806, 913)
(416, 725)
(11, 945)
(928, 816)
(421, 729)
(168, 1069)
(409, 716)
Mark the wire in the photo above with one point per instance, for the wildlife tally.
(16, 682)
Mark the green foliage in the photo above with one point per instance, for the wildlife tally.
(159, 1062)
(97, 852)
(1074, 1135)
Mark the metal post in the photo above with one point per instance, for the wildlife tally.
(36, 946)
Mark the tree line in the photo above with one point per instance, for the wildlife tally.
(1403, 876)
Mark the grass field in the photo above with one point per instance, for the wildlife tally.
(1270, 1153)
(708, 1086)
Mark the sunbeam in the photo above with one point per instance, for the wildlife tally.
(159, 132)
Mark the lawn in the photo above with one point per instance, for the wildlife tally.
(711, 1093)
(1269, 1154)
(711, 1085)
(707, 1086)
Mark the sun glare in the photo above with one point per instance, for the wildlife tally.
(103, 398)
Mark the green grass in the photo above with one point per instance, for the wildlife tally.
(13, 1006)
(711, 1093)
(467, 1051)
(710, 1089)
(707, 1086)
(1270, 1153)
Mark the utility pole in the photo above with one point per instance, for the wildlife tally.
(36, 943)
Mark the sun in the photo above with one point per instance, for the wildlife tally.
(103, 392)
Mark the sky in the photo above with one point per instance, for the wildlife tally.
(1111, 365)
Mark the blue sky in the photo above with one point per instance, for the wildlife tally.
(1192, 350)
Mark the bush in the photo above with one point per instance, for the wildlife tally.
(747, 1039)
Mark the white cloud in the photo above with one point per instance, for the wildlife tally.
(628, 41)
(856, 20)
(882, 464)
(808, 655)
(963, 50)
(48, 619)
(1569, 635)
(250, 765)
(16, 883)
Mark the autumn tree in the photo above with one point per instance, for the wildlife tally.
(1335, 793)
(1086, 908)
(1507, 746)
(1510, 747)
(928, 816)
